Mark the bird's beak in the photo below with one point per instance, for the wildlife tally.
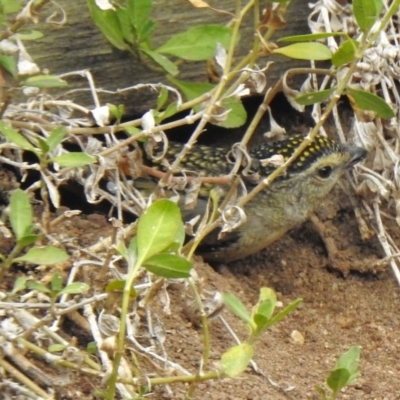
(357, 154)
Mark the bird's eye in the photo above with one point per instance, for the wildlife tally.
(325, 172)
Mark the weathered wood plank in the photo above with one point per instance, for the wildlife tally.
(79, 45)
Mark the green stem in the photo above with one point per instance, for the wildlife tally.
(133, 270)
(176, 379)
(204, 323)
(385, 20)
(44, 193)
(256, 40)
(9, 260)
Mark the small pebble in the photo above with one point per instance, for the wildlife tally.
(297, 337)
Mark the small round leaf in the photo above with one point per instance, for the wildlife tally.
(236, 359)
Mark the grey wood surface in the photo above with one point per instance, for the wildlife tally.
(79, 45)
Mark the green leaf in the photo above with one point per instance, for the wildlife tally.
(21, 215)
(369, 101)
(10, 6)
(147, 30)
(366, 13)
(307, 99)
(279, 316)
(19, 284)
(108, 23)
(74, 160)
(259, 324)
(237, 115)
(56, 137)
(45, 81)
(265, 308)
(91, 348)
(15, 137)
(197, 43)
(267, 294)
(33, 285)
(266, 303)
(139, 14)
(56, 282)
(162, 61)
(311, 37)
(192, 90)
(119, 286)
(115, 286)
(162, 97)
(178, 241)
(132, 251)
(75, 288)
(338, 379)
(177, 244)
(262, 313)
(350, 360)
(237, 307)
(236, 359)
(117, 111)
(157, 228)
(29, 239)
(56, 347)
(345, 53)
(122, 250)
(214, 199)
(29, 34)
(170, 110)
(9, 63)
(125, 24)
(305, 51)
(168, 266)
(132, 130)
(43, 146)
(45, 255)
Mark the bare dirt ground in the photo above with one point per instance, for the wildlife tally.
(346, 301)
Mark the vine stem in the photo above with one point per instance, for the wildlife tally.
(133, 270)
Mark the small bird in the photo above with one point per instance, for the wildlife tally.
(286, 203)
